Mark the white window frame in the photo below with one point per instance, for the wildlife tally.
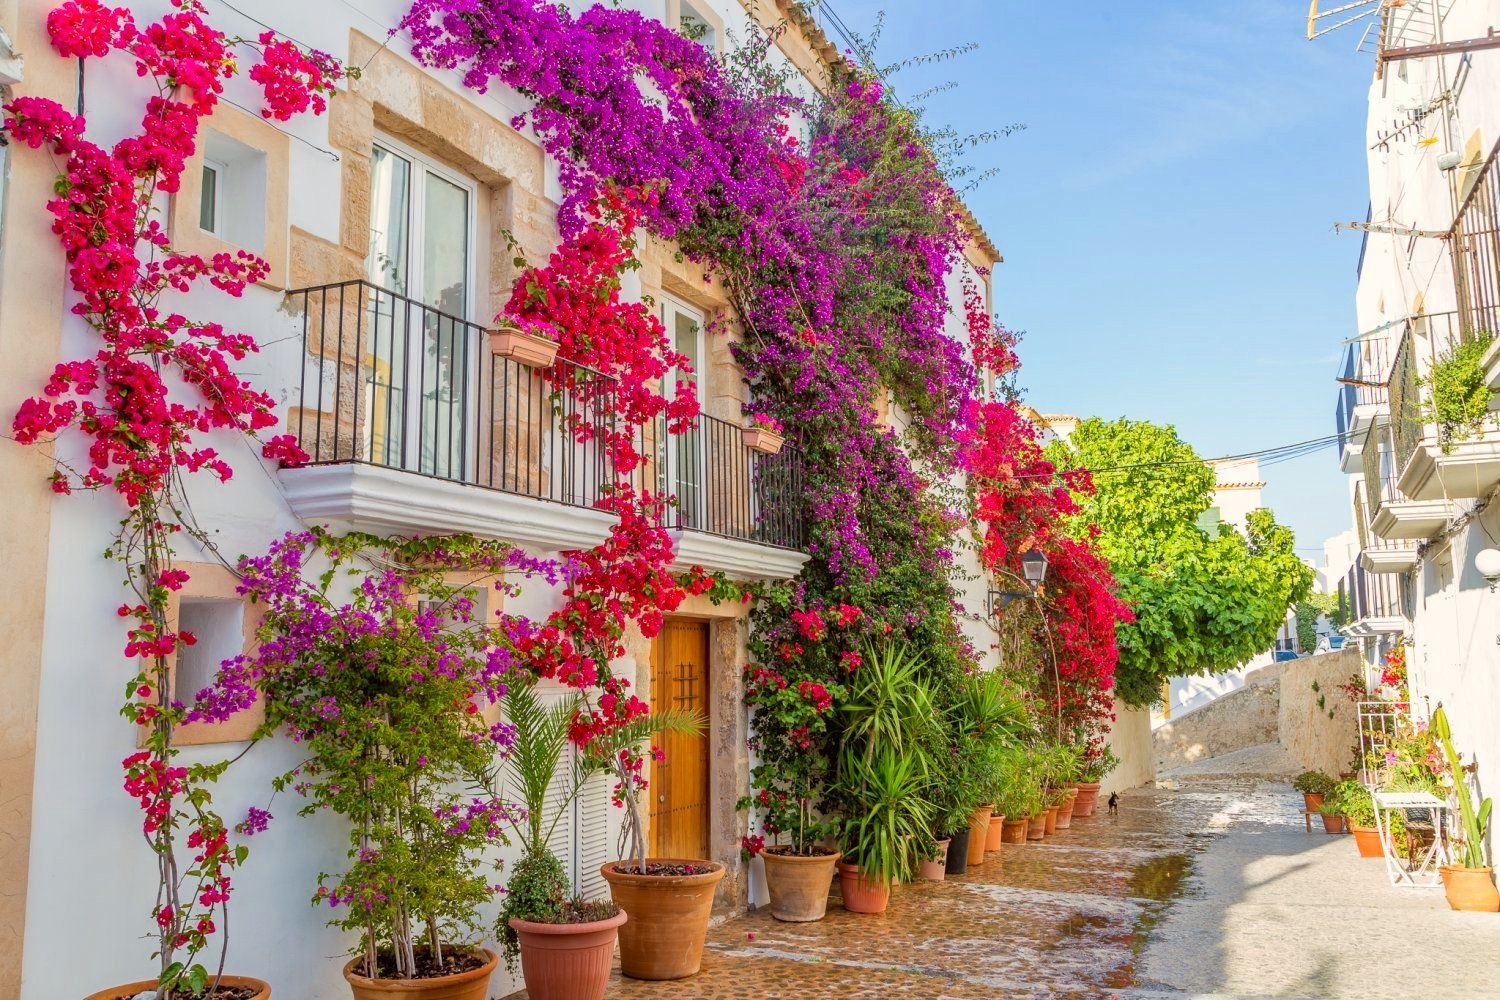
(419, 164)
(671, 308)
(221, 175)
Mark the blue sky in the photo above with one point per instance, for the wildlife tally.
(1166, 216)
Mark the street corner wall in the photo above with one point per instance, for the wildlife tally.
(1242, 718)
(1319, 725)
(1130, 738)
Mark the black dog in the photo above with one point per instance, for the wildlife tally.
(1114, 803)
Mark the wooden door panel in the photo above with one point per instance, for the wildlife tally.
(678, 787)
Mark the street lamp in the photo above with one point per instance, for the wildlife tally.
(1034, 567)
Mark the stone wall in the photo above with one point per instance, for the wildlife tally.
(1243, 718)
(1319, 726)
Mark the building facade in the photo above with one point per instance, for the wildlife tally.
(388, 224)
(1423, 464)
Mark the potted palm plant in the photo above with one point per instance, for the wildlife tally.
(380, 691)
(888, 811)
(1469, 882)
(565, 944)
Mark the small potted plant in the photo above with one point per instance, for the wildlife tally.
(1332, 815)
(1469, 883)
(527, 347)
(1098, 760)
(1313, 785)
(565, 944)
(799, 874)
(1353, 801)
(381, 692)
(764, 434)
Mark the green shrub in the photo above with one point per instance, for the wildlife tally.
(1313, 782)
(1460, 397)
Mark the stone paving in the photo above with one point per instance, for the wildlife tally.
(1211, 889)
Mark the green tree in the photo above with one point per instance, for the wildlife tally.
(1308, 613)
(1206, 596)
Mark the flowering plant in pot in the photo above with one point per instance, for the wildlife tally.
(1353, 801)
(383, 682)
(764, 434)
(1313, 785)
(799, 872)
(1469, 882)
(565, 944)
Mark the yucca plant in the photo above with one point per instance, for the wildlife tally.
(892, 814)
(890, 702)
(1475, 821)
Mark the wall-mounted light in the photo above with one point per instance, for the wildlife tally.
(1487, 561)
(1034, 567)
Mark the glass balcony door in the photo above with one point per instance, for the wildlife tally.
(421, 363)
(683, 469)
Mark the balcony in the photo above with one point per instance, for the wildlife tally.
(1374, 604)
(1363, 403)
(1392, 516)
(414, 427)
(1381, 554)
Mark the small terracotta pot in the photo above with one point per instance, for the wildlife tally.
(529, 349)
(663, 939)
(798, 885)
(1311, 800)
(1332, 824)
(767, 442)
(860, 894)
(1088, 798)
(1036, 826)
(149, 986)
(1367, 839)
(993, 837)
(1014, 831)
(979, 831)
(934, 870)
(567, 961)
(471, 985)
(1471, 889)
(1065, 811)
(1049, 820)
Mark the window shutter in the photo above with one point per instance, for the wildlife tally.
(591, 810)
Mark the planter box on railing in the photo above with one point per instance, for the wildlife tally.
(529, 349)
(767, 442)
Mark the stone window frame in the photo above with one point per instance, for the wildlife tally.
(183, 218)
(706, 12)
(212, 581)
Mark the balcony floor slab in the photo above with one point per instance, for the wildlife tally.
(1468, 469)
(1410, 519)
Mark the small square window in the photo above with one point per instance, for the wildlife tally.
(208, 200)
(219, 628)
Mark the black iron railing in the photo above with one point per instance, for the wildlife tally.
(393, 382)
(1474, 243)
(1366, 595)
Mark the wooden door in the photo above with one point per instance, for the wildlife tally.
(679, 785)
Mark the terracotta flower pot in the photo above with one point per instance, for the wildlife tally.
(1367, 839)
(471, 985)
(799, 885)
(663, 939)
(567, 961)
(1036, 826)
(1312, 800)
(149, 986)
(760, 439)
(958, 853)
(1049, 820)
(979, 831)
(994, 836)
(1471, 889)
(1332, 824)
(860, 894)
(934, 870)
(1088, 798)
(529, 349)
(1014, 831)
(1065, 811)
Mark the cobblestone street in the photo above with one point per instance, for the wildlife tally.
(1200, 891)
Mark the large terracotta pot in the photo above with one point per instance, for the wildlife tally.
(860, 894)
(1036, 826)
(993, 837)
(1065, 811)
(663, 939)
(1014, 831)
(149, 986)
(1049, 820)
(979, 831)
(1311, 801)
(1088, 798)
(798, 885)
(934, 870)
(567, 961)
(471, 985)
(958, 853)
(1367, 839)
(1471, 889)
